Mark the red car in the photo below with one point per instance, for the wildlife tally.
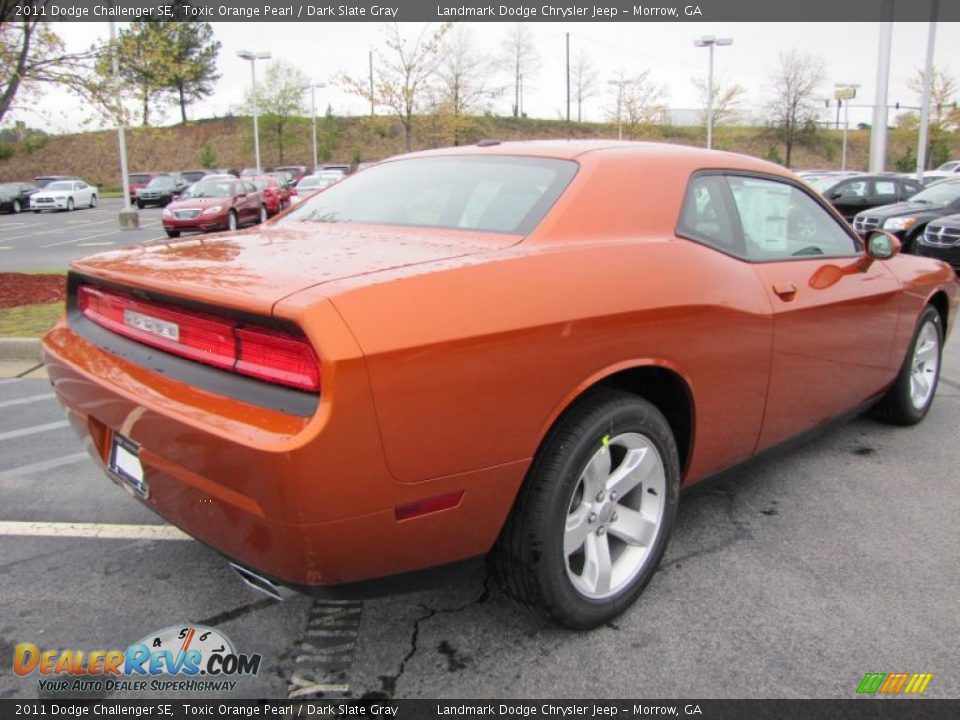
(276, 193)
(517, 349)
(215, 205)
(139, 180)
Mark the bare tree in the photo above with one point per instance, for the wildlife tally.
(726, 100)
(942, 91)
(794, 102)
(519, 57)
(464, 82)
(637, 101)
(32, 57)
(403, 74)
(585, 81)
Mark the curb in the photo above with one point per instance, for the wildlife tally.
(20, 349)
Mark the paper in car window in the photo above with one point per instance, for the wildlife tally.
(763, 210)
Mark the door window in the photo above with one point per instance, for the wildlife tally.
(706, 217)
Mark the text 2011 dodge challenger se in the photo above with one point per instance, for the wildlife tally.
(520, 351)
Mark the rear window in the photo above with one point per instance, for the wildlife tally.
(493, 194)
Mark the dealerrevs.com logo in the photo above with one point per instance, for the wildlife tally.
(179, 658)
(894, 683)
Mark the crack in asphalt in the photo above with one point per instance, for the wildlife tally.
(389, 682)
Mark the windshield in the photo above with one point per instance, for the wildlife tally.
(949, 166)
(312, 181)
(162, 182)
(61, 185)
(194, 175)
(939, 194)
(495, 194)
(821, 184)
(209, 190)
(9, 188)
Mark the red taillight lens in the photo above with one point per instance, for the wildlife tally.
(261, 353)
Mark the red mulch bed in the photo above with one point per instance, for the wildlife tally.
(21, 289)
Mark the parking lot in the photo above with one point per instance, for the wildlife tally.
(50, 240)
(792, 579)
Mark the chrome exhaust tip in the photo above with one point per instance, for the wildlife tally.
(260, 583)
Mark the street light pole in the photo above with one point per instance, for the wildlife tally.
(129, 219)
(619, 84)
(313, 114)
(927, 85)
(708, 41)
(845, 92)
(253, 57)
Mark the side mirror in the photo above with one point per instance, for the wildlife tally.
(882, 245)
(835, 195)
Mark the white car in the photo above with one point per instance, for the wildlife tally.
(64, 195)
(311, 184)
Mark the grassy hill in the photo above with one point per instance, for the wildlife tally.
(229, 142)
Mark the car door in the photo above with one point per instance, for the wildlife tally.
(850, 196)
(834, 309)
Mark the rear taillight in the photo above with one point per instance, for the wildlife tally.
(269, 355)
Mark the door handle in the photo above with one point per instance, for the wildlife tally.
(786, 291)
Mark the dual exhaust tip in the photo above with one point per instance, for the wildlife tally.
(260, 583)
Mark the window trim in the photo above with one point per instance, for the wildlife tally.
(730, 203)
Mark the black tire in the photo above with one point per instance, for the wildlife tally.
(529, 559)
(139, 205)
(232, 222)
(70, 205)
(93, 201)
(262, 217)
(909, 243)
(17, 207)
(37, 212)
(173, 233)
(898, 406)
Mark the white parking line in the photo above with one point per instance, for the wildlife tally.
(43, 465)
(25, 400)
(100, 531)
(33, 430)
(96, 244)
(56, 230)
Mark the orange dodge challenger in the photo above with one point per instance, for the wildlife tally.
(516, 350)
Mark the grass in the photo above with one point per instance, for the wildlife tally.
(29, 320)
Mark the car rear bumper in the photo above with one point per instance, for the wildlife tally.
(306, 501)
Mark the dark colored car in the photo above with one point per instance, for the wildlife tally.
(941, 240)
(851, 195)
(216, 205)
(192, 176)
(296, 172)
(137, 181)
(15, 196)
(161, 190)
(907, 220)
(44, 180)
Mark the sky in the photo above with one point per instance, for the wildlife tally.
(326, 51)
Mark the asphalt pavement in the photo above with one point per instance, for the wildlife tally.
(793, 579)
(50, 240)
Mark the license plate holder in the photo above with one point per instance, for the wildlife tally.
(124, 463)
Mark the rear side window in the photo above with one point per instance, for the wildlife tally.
(493, 194)
(706, 215)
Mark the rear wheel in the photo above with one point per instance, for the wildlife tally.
(232, 220)
(595, 513)
(911, 395)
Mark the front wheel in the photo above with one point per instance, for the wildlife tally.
(93, 201)
(595, 513)
(173, 233)
(70, 205)
(17, 207)
(909, 398)
(232, 220)
(262, 218)
(139, 205)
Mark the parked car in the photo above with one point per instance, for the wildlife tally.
(44, 180)
(296, 172)
(276, 192)
(520, 349)
(850, 195)
(214, 205)
(340, 169)
(309, 185)
(192, 176)
(951, 166)
(139, 180)
(15, 196)
(64, 195)
(908, 219)
(216, 177)
(941, 240)
(253, 172)
(161, 190)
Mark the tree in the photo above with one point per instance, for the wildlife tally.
(141, 49)
(794, 103)
(403, 74)
(279, 98)
(637, 101)
(464, 85)
(519, 57)
(943, 88)
(33, 57)
(726, 100)
(584, 81)
(189, 62)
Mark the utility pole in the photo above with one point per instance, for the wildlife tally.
(927, 86)
(709, 41)
(371, 84)
(878, 135)
(619, 84)
(129, 219)
(313, 115)
(252, 57)
(844, 93)
(568, 78)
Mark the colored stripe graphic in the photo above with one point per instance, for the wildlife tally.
(871, 683)
(894, 683)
